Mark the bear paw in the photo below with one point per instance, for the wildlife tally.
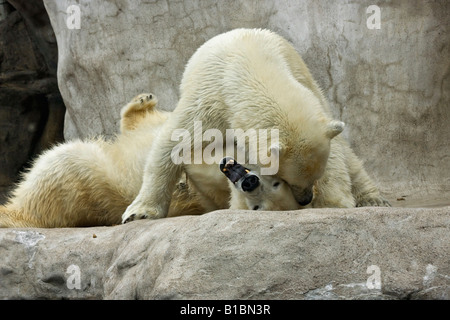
(138, 212)
(373, 201)
(144, 101)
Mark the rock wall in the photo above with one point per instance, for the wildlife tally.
(31, 107)
(390, 85)
(365, 253)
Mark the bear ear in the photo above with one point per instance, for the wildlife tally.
(276, 149)
(334, 127)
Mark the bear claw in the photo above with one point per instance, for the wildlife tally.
(373, 202)
(130, 218)
(135, 217)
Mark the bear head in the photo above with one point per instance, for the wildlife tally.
(303, 155)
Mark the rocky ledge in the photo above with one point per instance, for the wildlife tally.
(362, 253)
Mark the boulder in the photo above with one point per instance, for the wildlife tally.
(363, 253)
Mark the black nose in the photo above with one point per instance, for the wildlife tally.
(250, 183)
(306, 198)
(304, 203)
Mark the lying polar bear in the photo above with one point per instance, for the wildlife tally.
(91, 183)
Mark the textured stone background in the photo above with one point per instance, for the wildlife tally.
(31, 107)
(391, 86)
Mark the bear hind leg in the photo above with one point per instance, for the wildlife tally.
(136, 110)
(365, 192)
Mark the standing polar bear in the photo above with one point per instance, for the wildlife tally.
(254, 79)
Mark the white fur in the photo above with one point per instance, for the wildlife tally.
(88, 183)
(249, 78)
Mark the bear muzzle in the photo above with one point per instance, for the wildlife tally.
(241, 177)
(305, 197)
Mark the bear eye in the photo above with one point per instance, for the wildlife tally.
(255, 207)
(276, 184)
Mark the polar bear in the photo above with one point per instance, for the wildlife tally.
(89, 183)
(254, 79)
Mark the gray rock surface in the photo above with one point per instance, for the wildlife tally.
(364, 253)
